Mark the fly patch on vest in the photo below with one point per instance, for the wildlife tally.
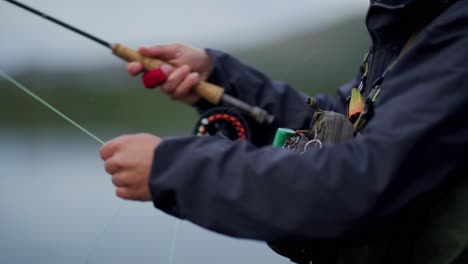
(327, 127)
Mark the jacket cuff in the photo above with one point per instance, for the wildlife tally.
(217, 76)
(164, 197)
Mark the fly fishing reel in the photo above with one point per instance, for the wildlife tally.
(223, 122)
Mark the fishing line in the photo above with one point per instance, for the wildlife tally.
(104, 231)
(29, 92)
(42, 101)
(39, 99)
(173, 241)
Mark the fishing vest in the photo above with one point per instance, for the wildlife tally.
(435, 235)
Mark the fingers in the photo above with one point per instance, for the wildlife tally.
(133, 194)
(126, 193)
(116, 163)
(178, 85)
(121, 179)
(134, 68)
(123, 193)
(108, 149)
(175, 79)
(191, 99)
(112, 146)
(162, 52)
(111, 166)
(129, 159)
(185, 87)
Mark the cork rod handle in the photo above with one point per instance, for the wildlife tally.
(210, 92)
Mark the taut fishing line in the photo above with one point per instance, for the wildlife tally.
(94, 137)
(210, 92)
(42, 101)
(101, 235)
(173, 241)
(33, 95)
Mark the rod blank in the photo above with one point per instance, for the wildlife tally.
(210, 92)
(61, 23)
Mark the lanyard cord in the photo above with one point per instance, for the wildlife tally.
(410, 41)
(367, 61)
(365, 115)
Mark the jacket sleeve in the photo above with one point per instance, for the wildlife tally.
(287, 104)
(416, 139)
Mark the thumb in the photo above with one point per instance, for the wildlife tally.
(163, 52)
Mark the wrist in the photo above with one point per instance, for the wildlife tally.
(206, 66)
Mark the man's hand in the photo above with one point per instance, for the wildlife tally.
(128, 159)
(186, 67)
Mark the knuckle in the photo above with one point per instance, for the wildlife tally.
(114, 164)
(119, 180)
(176, 74)
(181, 92)
(102, 152)
(120, 162)
(192, 80)
(120, 193)
(187, 69)
(178, 46)
(178, 49)
(121, 142)
(122, 139)
(185, 88)
(173, 97)
(125, 193)
(117, 147)
(167, 87)
(144, 134)
(117, 160)
(176, 95)
(109, 167)
(115, 180)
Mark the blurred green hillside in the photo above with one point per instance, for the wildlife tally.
(316, 61)
(106, 97)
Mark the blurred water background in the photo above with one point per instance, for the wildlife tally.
(57, 204)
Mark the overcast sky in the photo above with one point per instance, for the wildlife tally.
(28, 39)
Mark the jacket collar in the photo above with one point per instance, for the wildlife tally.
(396, 4)
(395, 20)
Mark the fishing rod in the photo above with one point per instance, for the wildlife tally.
(212, 93)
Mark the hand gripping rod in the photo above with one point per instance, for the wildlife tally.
(208, 91)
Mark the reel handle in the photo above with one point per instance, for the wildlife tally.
(208, 91)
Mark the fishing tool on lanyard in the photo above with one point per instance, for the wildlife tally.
(360, 108)
(210, 92)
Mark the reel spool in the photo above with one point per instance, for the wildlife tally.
(223, 122)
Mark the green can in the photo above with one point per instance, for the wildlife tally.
(282, 134)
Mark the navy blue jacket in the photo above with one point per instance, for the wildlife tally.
(416, 141)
